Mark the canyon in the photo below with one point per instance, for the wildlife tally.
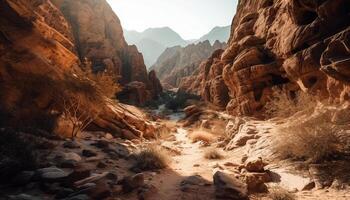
(264, 116)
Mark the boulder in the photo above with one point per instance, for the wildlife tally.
(255, 165)
(229, 187)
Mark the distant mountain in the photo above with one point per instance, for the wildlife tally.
(153, 41)
(218, 33)
(165, 36)
(178, 62)
(150, 50)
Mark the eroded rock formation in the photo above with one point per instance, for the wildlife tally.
(178, 62)
(42, 44)
(292, 44)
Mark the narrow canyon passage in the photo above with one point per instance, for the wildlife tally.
(206, 100)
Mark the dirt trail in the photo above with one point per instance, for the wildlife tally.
(190, 161)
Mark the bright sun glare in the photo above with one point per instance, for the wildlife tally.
(190, 18)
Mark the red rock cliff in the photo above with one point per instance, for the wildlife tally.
(294, 44)
(40, 46)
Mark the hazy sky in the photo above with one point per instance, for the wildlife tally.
(190, 18)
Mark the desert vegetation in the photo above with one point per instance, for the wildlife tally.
(202, 136)
(314, 137)
(151, 157)
(284, 104)
(213, 154)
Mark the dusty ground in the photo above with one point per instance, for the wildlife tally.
(189, 175)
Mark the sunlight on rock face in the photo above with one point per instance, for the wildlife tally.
(255, 110)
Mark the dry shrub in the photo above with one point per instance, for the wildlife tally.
(278, 193)
(105, 83)
(213, 154)
(151, 158)
(202, 136)
(313, 137)
(79, 113)
(283, 105)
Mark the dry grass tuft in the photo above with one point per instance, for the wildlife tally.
(202, 136)
(313, 137)
(283, 105)
(213, 154)
(151, 158)
(278, 193)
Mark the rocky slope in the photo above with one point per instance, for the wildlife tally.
(178, 62)
(43, 44)
(293, 44)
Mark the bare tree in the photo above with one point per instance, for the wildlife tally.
(79, 114)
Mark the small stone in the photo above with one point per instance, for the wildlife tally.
(88, 153)
(68, 164)
(51, 174)
(132, 182)
(230, 164)
(80, 172)
(309, 186)
(102, 144)
(102, 164)
(80, 197)
(109, 136)
(23, 197)
(256, 165)
(71, 145)
(71, 156)
(189, 183)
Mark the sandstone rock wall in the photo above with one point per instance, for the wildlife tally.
(40, 47)
(178, 62)
(99, 37)
(293, 44)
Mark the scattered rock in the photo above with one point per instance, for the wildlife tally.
(309, 186)
(191, 110)
(230, 164)
(188, 183)
(80, 172)
(102, 144)
(68, 164)
(256, 182)
(146, 192)
(80, 197)
(23, 197)
(256, 165)
(71, 145)
(51, 174)
(132, 182)
(88, 153)
(102, 164)
(228, 187)
(92, 179)
(109, 136)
